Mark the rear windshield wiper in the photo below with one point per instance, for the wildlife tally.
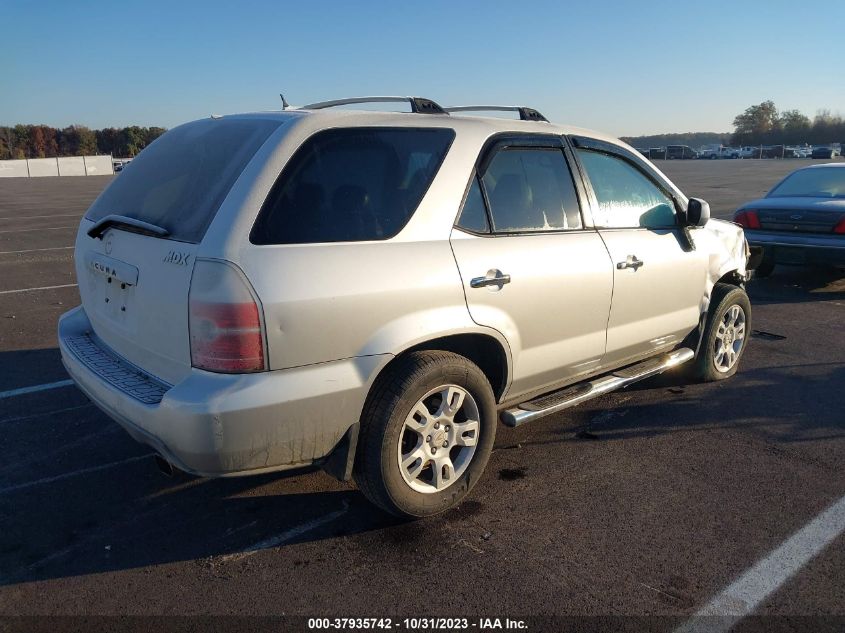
(128, 224)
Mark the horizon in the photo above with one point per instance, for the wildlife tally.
(195, 59)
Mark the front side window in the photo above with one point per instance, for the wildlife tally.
(626, 197)
(351, 184)
(531, 189)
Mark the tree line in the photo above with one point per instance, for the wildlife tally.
(43, 141)
(762, 124)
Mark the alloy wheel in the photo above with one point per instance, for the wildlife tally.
(730, 337)
(439, 438)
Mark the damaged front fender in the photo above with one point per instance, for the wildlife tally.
(728, 255)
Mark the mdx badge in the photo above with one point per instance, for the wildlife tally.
(175, 257)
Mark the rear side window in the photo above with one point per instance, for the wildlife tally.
(531, 189)
(351, 184)
(180, 180)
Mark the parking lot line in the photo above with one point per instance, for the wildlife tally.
(748, 591)
(35, 388)
(23, 418)
(288, 535)
(74, 473)
(9, 292)
(29, 217)
(37, 250)
(48, 228)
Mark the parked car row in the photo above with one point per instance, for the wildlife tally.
(713, 152)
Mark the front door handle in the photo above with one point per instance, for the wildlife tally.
(493, 278)
(630, 262)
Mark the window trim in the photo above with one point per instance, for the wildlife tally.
(614, 151)
(506, 141)
(456, 224)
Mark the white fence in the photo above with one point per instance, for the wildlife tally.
(64, 166)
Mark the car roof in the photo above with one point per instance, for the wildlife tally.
(824, 165)
(336, 117)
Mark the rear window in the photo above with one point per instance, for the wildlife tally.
(180, 180)
(351, 184)
(815, 182)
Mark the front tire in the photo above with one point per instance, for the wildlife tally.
(726, 334)
(427, 431)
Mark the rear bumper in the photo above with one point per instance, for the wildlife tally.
(232, 424)
(797, 248)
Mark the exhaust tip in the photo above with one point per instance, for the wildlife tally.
(164, 466)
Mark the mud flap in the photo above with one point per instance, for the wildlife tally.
(694, 338)
(340, 461)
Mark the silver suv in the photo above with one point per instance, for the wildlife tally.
(372, 291)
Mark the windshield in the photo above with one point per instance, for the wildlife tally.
(815, 182)
(180, 180)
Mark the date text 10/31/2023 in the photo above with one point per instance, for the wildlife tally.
(416, 624)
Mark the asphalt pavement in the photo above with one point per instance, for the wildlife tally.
(648, 502)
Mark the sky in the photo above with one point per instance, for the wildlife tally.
(623, 67)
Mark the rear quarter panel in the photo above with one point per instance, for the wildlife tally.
(331, 301)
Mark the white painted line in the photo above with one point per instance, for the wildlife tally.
(50, 456)
(48, 228)
(75, 473)
(22, 418)
(37, 250)
(28, 217)
(284, 537)
(9, 292)
(35, 388)
(748, 591)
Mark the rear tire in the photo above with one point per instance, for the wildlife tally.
(726, 334)
(427, 431)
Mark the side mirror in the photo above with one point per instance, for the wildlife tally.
(698, 212)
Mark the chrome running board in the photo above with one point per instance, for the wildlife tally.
(578, 393)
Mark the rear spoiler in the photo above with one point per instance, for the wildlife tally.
(128, 224)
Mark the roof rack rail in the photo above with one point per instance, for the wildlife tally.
(419, 105)
(525, 114)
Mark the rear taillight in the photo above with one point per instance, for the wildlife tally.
(748, 219)
(225, 320)
(840, 227)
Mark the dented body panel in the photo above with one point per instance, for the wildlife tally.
(727, 254)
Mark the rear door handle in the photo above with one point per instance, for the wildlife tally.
(630, 262)
(493, 278)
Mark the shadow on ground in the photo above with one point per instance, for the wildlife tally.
(130, 516)
(798, 284)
